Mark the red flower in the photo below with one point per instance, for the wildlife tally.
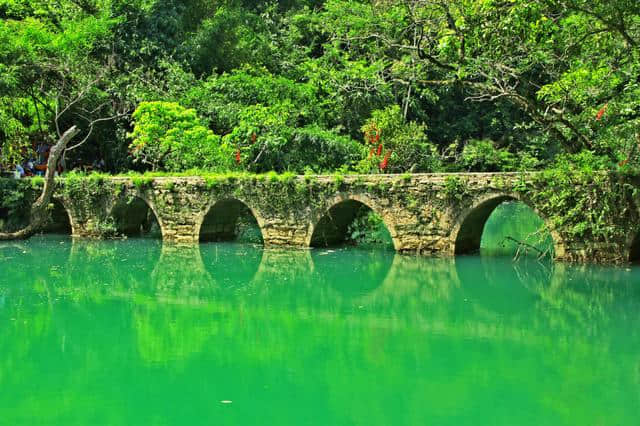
(601, 112)
(238, 158)
(385, 160)
(372, 135)
(379, 150)
(373, 150)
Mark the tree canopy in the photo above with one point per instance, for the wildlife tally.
(374, 86)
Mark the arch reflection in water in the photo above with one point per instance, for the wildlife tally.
(133, 217)
(351, 222)
(180, 276)
(231, 265)
(497, 225)
(500, 285)
(230, 220)
(351, 272)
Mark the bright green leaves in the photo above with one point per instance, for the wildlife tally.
(169, 137)
(73, 37)
(457, 84)
(51, 60)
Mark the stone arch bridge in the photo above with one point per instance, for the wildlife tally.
(430, 214)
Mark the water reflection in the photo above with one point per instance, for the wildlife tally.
(180, 275)
(501, 285)
(352, 337)
(33, 269)
(351, 272)
(113, 267)
(231, 264)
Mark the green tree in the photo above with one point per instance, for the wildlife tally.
(50, 86)
(557, 62)
(167, 136)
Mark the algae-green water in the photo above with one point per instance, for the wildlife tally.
(136, 333)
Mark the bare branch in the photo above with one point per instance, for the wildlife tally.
(91, 127)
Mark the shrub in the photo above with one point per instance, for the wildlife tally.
(398, 146)
(484, 156)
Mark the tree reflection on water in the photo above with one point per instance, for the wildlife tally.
(329, 324)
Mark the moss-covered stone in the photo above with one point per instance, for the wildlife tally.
(591, 217)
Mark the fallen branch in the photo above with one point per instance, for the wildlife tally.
(526, 246)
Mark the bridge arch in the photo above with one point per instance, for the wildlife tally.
(466, 234)
(135, 215)
(219, 221)
(331, 224)
(60, 219)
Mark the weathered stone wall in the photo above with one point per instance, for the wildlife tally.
(431, 214)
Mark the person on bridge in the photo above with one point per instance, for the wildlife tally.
(19, 173)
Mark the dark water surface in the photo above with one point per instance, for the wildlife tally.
(131, 333)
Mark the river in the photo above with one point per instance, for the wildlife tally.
(134, 333)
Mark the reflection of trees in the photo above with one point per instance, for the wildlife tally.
(108, 268)
(415, 336)
(169, 332)
(592, 300)
(34, 268)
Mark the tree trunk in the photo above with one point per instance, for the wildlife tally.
(39, 215)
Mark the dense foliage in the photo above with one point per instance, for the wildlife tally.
(371, 86)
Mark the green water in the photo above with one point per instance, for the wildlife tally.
(134, 333)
